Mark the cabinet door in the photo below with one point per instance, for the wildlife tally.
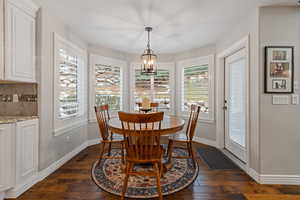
(27, 150)
(6, 156)
(20, 45)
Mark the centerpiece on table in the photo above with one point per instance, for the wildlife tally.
(146, 105)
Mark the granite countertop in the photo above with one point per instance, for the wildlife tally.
(14, 119)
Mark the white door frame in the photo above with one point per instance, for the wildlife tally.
(220, 92)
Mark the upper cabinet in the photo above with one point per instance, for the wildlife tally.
(19, 40)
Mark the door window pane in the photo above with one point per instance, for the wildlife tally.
(236, 102)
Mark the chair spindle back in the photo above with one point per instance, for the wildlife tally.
(154, 107)
(102, 115)
(192, 123)
(141, 134)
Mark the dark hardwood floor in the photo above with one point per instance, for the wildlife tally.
(73, 182)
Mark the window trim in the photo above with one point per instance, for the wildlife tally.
(180, 65)
(92, 82)
(63, 125)
(161, 65)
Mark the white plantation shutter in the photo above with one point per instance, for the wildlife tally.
(156, 87)
(68, 85)
(196, 87)
(108, 86)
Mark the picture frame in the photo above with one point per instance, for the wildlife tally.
(279, 69)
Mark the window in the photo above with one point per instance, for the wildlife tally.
(159, 88)
(68, 83)
(69, 87)
(106, 84)
(196, 86)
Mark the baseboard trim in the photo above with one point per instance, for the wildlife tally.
(254, 174)
(53, 167)
(280, 179)
(205, 141)
(94, 142)
(262, 179)
(20, 189)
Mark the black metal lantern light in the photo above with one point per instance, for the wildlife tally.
(149, 59)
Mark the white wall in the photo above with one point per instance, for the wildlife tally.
(204, 130)
(279, 127)
(248, 26)
(52, 148)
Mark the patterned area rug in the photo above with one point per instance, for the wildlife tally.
(108, 176)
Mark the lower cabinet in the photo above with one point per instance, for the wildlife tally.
(26, 150)
(6, 156)
(18, 156)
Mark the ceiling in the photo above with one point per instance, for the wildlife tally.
(178, 25)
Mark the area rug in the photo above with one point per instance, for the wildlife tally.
(215, 159)
(108, 176)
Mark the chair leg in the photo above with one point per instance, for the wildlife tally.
(122, 153)
(192, 153)
(170, 150)
(158, 181)
(102, 148)
(125, 184)
(109, 149)
(161, 169)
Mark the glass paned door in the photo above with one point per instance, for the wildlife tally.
(236, 104)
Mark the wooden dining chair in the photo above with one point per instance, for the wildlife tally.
(108, 138)
(154, 107)
(141, 137)
(187, 137)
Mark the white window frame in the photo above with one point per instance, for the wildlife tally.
(97, 59)
(180, 65)
(63, 125)
(162, 65)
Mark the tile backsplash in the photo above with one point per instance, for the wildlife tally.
(18, 99)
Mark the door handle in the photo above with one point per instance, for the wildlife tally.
(224, 107)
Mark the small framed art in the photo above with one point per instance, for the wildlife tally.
(279, 69)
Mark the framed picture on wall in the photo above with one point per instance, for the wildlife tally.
(279, 69)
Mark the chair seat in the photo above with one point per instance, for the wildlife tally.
(154, 156)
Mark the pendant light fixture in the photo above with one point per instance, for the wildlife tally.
(149, 59)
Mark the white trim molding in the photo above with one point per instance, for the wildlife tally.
(205, 141)
(220, 94)
(260, 178)
(97, 59)
(61, 125)
(27, 6)
(280, 179)
(180, 65)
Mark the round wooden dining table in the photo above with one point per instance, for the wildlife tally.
(169, 125)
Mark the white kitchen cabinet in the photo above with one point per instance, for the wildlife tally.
(6, 156)
(20, 40)
(19, 144)
(27, 140)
